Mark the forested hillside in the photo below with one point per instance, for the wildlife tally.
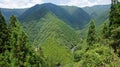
(99, 12)
(49, 35)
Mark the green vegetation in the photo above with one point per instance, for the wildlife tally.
(91, 38)
(98, 56)
(15, 48)
(115, 26)
(46, 38)
(3, 34)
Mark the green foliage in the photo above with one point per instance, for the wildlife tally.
(56, 55)
(115, 43)
(115, 26)
(3, 34)
(78, 55)
(20, 54)
(98, 56)
(105, 31)
(105, 35)
(91, 38)
(18, 41)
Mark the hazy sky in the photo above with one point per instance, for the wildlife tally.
(29, 3)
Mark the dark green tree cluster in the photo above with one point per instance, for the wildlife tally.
(105, 31)
(4, 44)
(18, 41)
(100, 54)
(105, 34)
(15, 50)
(3, 34)
(91, 38)
(114, 26)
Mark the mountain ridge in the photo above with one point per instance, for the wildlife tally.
(76, 17)
(76, 20)
(99, 13)
(50, 26)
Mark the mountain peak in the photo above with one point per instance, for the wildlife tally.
(49, 4)
(44, 4)
(36, 5)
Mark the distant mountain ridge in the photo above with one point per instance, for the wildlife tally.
(77, 19)
(99, 13)
(8, 12)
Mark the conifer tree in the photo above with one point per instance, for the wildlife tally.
(114, 15)
(18, 41)
(23, 54)
(105, 35)
(105, 31)
(115, 25)
(3, 34)
(91, 38)
(4, 42)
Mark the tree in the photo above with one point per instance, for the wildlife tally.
(91, 38)
(18, 41)
(3, 34)
(115, 26)
(105, 34)
(114, 15)
(4, 42)
(105, 31)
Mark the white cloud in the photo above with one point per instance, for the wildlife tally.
(29, 3)
(18, 3)
(83, 3)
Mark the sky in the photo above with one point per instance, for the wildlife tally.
(30, 3)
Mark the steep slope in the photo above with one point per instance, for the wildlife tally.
(55, 37)
(99, 27)
(77, 19)
(96, 10)
(99, 12)
(79, 15)
(50, 26)
(8, 12)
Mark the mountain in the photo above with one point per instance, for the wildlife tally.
(80, 16)
(8, 12)
(99, 12)
(49, 27)
(54, 36)
(77, 19)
